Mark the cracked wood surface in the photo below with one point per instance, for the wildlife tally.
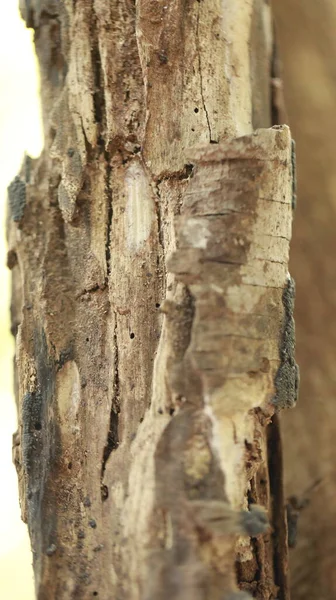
(148, 304)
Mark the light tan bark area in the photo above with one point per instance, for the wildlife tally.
(153, 304)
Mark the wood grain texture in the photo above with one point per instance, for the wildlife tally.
(151, 312)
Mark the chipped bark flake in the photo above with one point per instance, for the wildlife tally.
(80, 77)
(69, 148)
(73, 116)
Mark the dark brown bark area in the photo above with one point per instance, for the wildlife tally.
(150, 285)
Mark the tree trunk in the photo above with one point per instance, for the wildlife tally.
(152, 304)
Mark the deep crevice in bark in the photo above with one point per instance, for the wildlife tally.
(275, 469)
(112, 437)
(98, 95)
(113, 441)
(158, 216)
(109, 215)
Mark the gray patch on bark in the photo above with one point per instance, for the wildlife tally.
(254, 521)
(41, 452)
(287, 377)
(17, 198)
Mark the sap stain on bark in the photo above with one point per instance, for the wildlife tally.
(287, 377)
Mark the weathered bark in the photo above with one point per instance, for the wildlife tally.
(156, 338)
(306, 38)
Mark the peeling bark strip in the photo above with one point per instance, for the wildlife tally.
(148, 296)
(233, 243)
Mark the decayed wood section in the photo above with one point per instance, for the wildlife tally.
(152, 305)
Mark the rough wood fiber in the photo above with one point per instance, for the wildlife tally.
(150, 294)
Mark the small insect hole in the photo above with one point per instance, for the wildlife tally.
(95, 594)
(132, 336)
(87, 339)
(38, 426)
(196, 110)
(171, 411)
(70, 466)
(157, 305)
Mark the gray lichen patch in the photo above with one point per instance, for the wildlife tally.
(287, 377)
(17, 198)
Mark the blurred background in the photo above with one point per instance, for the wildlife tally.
(306, 37)
(20, 131)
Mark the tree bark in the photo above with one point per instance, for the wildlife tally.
(152, 304)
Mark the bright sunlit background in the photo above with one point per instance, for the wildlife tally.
(20, 131)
